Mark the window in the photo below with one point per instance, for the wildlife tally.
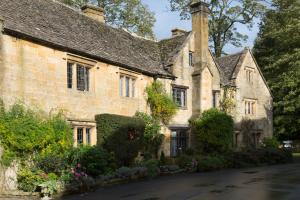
(70, 75)
(179, 96)
(191, 63)
(250, 107)
(215, 98)
(179, 142)
(88, 136)
(127, 86)
(82, 78)
(79, 135)
(249, 75)
(121, 85)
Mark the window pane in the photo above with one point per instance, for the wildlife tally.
(121, 85)
(179, 96)
(191, 59)
(86, 79)
(79, 135)
(88, 136)
(133, 88)
(127, 86)
(69, 74)
(80, 77)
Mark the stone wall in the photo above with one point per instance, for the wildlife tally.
(37, 76)
(8, 177)
(258, 92)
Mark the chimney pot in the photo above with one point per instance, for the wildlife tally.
(94, 12)
(178, 32)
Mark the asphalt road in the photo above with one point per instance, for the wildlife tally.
(281, 182)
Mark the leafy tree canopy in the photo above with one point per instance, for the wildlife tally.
(225, 15)
(277, 50)
(132, 15)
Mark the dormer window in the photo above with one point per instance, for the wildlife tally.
(191, 59)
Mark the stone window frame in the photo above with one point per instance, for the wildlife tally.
(249, 74)
(88, 130)
(250, 107)
(183, 89)
(128, 89)
(87, 64)
(191, 58)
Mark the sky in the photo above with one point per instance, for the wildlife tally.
(167, 20)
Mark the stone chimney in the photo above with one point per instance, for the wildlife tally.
(200, 12)
(1, 24)
(178, 32)
(94, 12)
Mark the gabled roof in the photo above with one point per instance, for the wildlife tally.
(171, 47)
(228, 65)
(51, 23)
(231, 65)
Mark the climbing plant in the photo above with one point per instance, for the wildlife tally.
(162, 106)
(227, 103)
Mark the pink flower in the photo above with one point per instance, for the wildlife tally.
(79, 165)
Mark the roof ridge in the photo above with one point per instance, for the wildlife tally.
(67, 6)
(187, 33)
(235, 54)
(77, 10)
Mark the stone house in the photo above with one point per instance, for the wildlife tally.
(56, 57)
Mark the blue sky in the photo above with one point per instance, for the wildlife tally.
(167, 20)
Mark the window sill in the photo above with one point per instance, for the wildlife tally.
(129, 98)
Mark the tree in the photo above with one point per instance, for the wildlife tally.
(277, 50)
(225, 15)
(132, 15)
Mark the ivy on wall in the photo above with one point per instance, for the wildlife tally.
(162, 106)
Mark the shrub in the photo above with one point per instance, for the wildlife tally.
(271, 143)
(51, 163)
(162, 106)
(124, 172)
(94, 161)
(122, 135)
(152, 136)
(262, 156)
(210, 163)
(152, 168)
(108, 124)
(29, 180)
(162, 159)
(25, 133)
(213, 132)
(184, 161)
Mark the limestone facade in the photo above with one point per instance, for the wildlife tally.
(46, 78)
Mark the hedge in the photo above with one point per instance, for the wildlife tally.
(120, 135)
(107, 124)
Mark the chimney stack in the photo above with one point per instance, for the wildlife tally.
(178, 32)
(200, 12)
(201, 96)
(94, 12)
